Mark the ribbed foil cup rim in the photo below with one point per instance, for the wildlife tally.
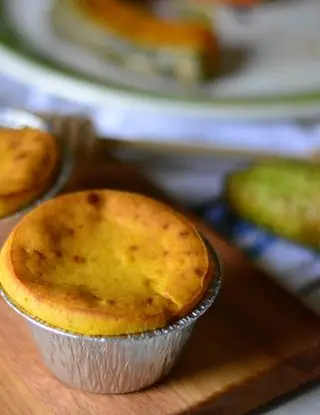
(16, 119)
(181, 323)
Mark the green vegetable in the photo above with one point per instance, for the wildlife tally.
(281, 195)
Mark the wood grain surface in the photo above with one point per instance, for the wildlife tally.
(256, 342)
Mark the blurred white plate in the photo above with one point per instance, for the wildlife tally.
(272, 61)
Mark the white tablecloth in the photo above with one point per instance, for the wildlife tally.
(291, 138)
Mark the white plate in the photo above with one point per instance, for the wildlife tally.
(277, 75)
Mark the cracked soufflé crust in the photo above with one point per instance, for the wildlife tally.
(105, 263)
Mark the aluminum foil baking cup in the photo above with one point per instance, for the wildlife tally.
(117, 364)
(16, 119)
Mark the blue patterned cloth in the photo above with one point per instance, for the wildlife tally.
(295, 267)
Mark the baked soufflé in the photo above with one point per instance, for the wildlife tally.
(105, 263)
(28, 161)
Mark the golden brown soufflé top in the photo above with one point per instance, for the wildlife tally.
(105, 262)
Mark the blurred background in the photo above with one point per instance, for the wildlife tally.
(189, 89)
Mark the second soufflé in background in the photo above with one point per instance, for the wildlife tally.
(28, 161)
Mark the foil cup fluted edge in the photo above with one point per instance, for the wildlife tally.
(206, 302)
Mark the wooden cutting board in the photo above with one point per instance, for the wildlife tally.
(256, 342)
